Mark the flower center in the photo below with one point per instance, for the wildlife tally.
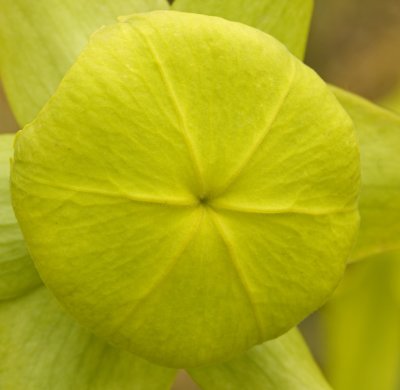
(203, 200)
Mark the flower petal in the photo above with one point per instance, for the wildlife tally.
(284, 363)
(40, 40)
(286, 20)
(42, 348)
(378, 131)
(17, 272)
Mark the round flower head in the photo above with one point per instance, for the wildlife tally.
(190, 190)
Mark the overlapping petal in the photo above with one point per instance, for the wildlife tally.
(378, 131)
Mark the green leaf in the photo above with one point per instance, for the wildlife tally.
(198, 195)
(362, 327)
(286, 20)
(17, 273)
(284, 363)
(42, 348)
(378, 131)
(40, 40)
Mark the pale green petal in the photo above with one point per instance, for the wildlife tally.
(40, 39)
(197, 196)
(281, 364)
(17, 273)
(362, 327)
(286, 20)
(42, 348)
(378, 131)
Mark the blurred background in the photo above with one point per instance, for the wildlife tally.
(354, 44)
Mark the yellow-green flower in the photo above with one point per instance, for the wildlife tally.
(153, 207)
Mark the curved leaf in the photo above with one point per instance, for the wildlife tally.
(286, 20)
(281, 364)
(378, 131)
(17, 273)
(42, 348)
(40, 40)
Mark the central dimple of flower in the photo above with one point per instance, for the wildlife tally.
(203, 200)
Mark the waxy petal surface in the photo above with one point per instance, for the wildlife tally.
(197, 196)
